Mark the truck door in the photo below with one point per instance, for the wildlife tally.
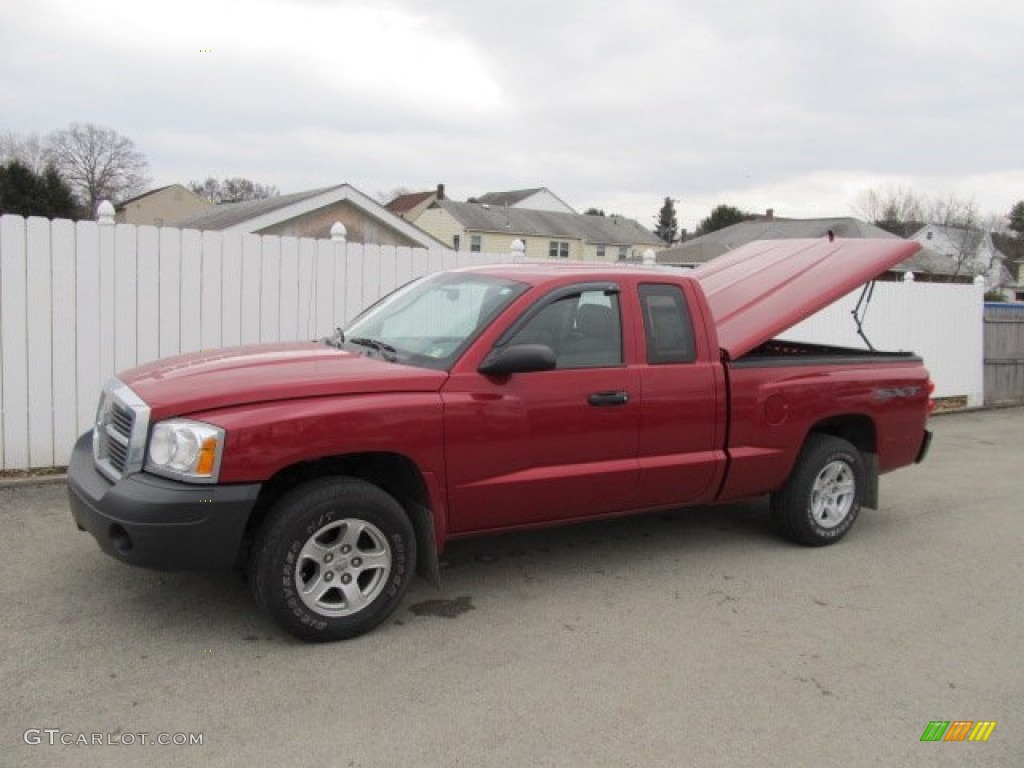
(680, 448)
(547, 445)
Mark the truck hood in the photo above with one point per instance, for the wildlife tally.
(240, 375)
(760, 289)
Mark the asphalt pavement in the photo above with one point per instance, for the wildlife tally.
(693, 638)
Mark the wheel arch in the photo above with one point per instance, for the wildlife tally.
(394, 473)
(859, 430)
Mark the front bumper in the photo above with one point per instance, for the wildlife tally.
(158, 523)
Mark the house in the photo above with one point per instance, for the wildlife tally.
(160, 206)
(540, 199)
(544, 233)
(409, 206)
(965, 253)
(706, 247)
(312, 214)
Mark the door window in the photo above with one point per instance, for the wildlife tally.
(583, 329)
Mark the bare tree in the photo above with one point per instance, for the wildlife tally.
(233, 190)
(952, 211)
(968, 233)
(895, 209)
(98, 163)
(29, 150)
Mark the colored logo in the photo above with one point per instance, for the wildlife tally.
(958, 730)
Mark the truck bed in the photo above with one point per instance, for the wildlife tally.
(782, 390)
(781, 352)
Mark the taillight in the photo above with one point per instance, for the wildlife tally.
(931, 400)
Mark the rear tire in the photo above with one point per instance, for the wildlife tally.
(333, 559)
(821, 499)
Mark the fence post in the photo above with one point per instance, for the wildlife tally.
(649, 257)
(338, 232)
(518, 249)
(105, 213)
(908, 277)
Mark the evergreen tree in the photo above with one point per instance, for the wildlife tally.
(668, 224)
(27, 193)
(721, 217)
(1017, 219)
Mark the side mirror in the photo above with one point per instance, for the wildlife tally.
(519, 358)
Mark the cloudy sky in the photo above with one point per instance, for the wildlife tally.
(795, 105)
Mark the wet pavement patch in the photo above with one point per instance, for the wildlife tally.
(446, 609)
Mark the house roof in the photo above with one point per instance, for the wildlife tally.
(254, 215)
(706, 247)
(231, 215)
(407, 202)
(516, 197)
(509, 198)
(607, 230)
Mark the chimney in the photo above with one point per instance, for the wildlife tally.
(440, 191)
(769, 214)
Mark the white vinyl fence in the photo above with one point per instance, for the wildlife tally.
(941, 322)
(80, 301)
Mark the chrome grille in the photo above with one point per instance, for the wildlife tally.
(119, 437)
(116, 435)
(122, 419)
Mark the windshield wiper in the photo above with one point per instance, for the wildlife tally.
(336, 341)
(386, 351)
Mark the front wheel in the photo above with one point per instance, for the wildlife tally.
(334, 559)
(821, 499)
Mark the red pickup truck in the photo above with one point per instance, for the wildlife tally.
(498, 398)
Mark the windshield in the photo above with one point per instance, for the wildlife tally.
(431, 321)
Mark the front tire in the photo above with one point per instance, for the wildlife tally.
(334, 559)
(821, 499)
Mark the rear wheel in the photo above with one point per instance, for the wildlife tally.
(821, 499)
(334, 559)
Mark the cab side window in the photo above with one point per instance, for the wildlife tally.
(584, 330)
(667, 325)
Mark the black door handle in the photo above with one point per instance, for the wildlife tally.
(608, 398)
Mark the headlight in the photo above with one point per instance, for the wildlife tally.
(185, 450)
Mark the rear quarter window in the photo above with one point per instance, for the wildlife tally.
(667, 324)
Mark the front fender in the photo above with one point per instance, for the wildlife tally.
(262, 439)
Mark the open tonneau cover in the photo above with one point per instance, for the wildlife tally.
(760, 289)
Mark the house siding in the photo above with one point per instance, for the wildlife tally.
(444, 226)
(441, 225)
(359, 227)
(544, 201)
(981, 258)
(164, 206)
